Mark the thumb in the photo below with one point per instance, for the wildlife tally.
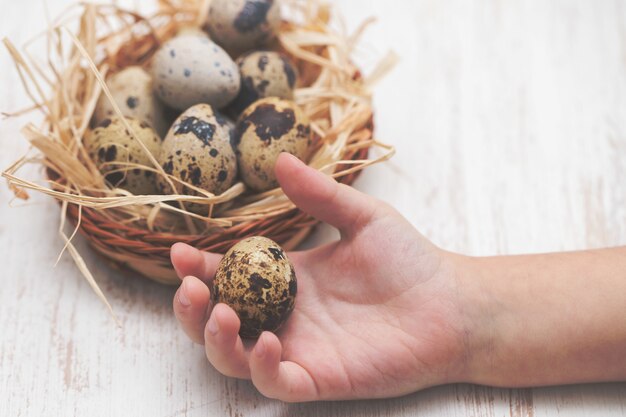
(324, 198)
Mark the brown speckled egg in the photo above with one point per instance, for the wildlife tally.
(258, 281)
(112, 142)
(131, 89)
(242, 25)
(191, 69)
(263, 74)
(197, 150)
(264, 130)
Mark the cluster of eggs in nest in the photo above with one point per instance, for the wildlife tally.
(220, 102)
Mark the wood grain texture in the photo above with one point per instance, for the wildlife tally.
(510, 123)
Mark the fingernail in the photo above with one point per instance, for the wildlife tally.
(183, 298)
(260, 347)
(213, 327)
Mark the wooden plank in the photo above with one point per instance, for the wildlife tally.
(511, 135)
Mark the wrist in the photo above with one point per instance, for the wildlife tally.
(543, 319)
(469, 304)
(476, 307)
(498, 298)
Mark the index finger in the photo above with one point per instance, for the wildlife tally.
(189, 261)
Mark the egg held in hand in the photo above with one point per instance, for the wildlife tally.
(264, 130)
(257, 280)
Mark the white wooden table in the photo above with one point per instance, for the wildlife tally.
(510, 123)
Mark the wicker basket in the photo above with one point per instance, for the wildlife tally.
(138, 231)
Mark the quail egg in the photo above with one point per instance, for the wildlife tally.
(131, 89)
(264, 130)
(263, 74)
(111, 146)
(191, 69)
(257, 280)
(197, 150)
(241, 25)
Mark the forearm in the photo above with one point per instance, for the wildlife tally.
(548, 319)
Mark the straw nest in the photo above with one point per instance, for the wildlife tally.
(137, 231)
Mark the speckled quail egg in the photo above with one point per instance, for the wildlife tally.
(131, 89)
(257, 280)
(264, 130)
(112, 142)
(263, 74)
(191, 69)
(197, 150)
(242, 25)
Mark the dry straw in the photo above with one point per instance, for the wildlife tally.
(137, 231)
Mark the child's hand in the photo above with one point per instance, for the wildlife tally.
(383, 312)
(377, 313)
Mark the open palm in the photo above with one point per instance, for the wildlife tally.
(376, 313)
